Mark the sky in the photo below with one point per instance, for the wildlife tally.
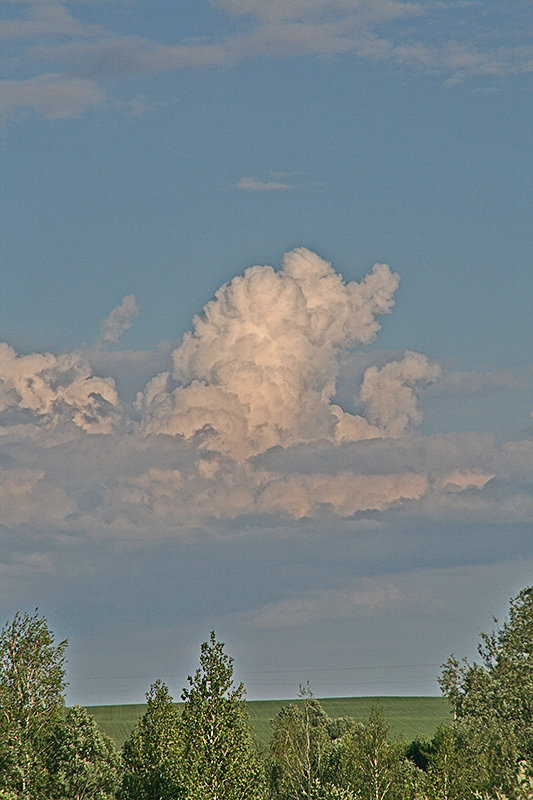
(266, 360)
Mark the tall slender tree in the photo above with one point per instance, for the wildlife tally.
(32, 682)
(152, 755)
(220, 761)
(299, 748)
(372, 765)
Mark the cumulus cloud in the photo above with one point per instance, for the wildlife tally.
(45, 390)
(260, 365)
(245, 422)
(389, 393)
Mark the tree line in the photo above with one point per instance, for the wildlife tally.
(206, 750)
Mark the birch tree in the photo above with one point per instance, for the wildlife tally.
(32, 682)
(299, 748)
(372, 765)
(219, 756)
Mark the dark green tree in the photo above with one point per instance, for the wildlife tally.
(83, 762)
(220, 761)
(151, 757)
(442, 764)
(493, 700)
(32, 682)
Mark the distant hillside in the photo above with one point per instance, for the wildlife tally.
(411, 717)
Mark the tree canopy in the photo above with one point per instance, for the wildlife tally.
(220, 757)
(32, 681)
(206, 750)
(152, 755)
(493, 699)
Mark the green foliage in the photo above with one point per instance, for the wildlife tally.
(208, 753)
(151, 757)
(220, 761)
(522, 789)
(524, 782)
(321, 791)
(493, 700)
(83, 762)
(32, 681)
(299, 748)
(372, 765)
(448, 774)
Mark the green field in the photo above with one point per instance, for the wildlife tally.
(410, 717)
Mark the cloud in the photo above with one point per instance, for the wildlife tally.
(285, 10)
(244, 421)
(458, 480)
(44, 20)
(79, 61)
(255, 185)
(344, 493)
(259, 367)
(389, 393)
(25, 496)
(331, 604)
(53, 96)
(476, 383)
(118, 321)
(44, 390)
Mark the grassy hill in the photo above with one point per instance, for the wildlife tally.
(410, 717)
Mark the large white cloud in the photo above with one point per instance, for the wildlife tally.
(246, 422)
(259, 368)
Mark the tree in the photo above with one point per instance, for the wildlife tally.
(220, 761)
(441, 762)
(523, 789)
(321, 791)
(493, 700)
(83, 762)
(152, 755)
(299, 747)
(32, 681)
(372, 765)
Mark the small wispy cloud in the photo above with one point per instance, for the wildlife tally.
(79, 60)
(118, 321)
(51, 96)
(315, 606)
(250, 184)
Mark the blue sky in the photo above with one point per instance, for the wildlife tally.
(333, 467)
